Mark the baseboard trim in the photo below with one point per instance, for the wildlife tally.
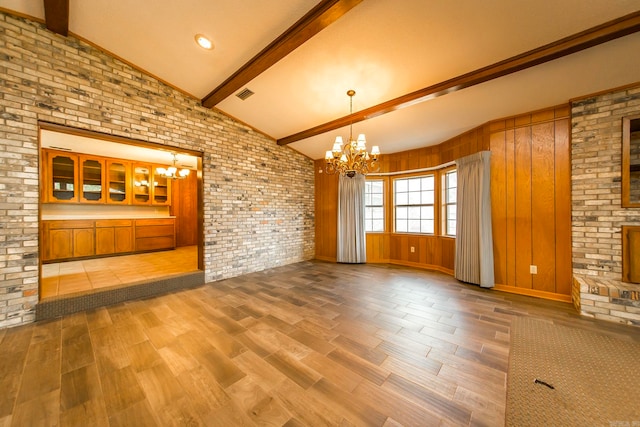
(534, 293)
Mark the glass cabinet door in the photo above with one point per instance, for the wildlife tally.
(91, 180)
(141, 184)
(117, 182)
(160, 188)
(63, 178)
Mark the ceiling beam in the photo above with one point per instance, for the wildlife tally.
(56, 15)
(594, 36)
(321, 16)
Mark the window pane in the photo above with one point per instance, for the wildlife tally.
(452, 178)
(374, 205)
(451, 212)
(401, 225)
(414, 184)
(414, 212)
(451, 195)
(414, 198)
(451, 228)
(401, 185)
(402, 199)
(426, 226)
(401, 213)
(414, 226)
(428, 182)
(427, 197)
(426, 212)
(377, 213)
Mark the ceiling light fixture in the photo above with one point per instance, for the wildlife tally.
(204, 42)
(353, 157)
(172, 172)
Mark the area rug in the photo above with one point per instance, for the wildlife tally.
(563, 376)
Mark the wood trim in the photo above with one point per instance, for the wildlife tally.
(626, 162)
(56, 13)
(533, 293)
(591, 37)
(630, 265)
(321, 16)
(115, 138)
(422, 266)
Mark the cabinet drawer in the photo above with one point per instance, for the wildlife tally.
(155, 243)
(155, 231)
(60, 224)
(154, 221)
(114, 223)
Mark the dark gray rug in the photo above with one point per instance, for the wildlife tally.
(595, 377)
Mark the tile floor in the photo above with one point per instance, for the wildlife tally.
(84, 276)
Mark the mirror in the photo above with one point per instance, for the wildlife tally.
(631, 162)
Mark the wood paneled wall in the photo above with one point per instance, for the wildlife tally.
(184, 206)
(531, 203)
(326, 213)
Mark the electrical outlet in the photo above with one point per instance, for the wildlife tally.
(533, 269)
(413, 249)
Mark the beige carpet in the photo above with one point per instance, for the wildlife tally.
(596, 378)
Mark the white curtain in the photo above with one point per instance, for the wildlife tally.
(474, 240)
(352, 245)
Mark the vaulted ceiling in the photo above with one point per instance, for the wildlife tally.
(423, 70)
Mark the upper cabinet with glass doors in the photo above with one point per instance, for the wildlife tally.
(91, 180)
(79, 178)
(118, 182)
(62, 177)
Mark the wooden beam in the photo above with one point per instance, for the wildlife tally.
(321, 16)
(56, 15)
(608, 31)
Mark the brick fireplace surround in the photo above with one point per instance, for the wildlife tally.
(597, 215)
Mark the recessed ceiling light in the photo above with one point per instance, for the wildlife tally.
(204, 42)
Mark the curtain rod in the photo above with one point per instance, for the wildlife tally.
(433, 168)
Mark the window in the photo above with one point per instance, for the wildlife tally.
(449, 195)
(413, 200)
(374, 206)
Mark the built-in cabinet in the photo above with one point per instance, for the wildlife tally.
(69, 239)
(114, 236)
(118, 181)
(79, 178)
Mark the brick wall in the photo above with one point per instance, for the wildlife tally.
(258, 197)
(596, 157)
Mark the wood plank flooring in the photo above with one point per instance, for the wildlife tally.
(310, 344)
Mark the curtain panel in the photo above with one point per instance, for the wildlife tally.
(474, 238)
(352, 244)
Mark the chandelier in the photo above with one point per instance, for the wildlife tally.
(352, 157)
(172, 172)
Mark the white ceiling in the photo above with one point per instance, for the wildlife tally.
(383, 49)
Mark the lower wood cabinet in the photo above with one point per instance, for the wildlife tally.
(69, 239)
(114, 236)
(155, 234)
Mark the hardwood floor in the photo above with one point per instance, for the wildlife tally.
(311, 343)
(84, 276)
